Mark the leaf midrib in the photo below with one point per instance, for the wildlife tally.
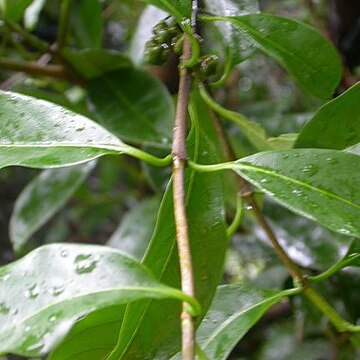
(297, 182)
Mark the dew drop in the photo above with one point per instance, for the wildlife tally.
(64, 253)
(4, 309)
(57, 290)
(32, 292)
(310, 169)
(27, 328)
(52, 318)
(5, 277)
(344, 231)
(36, 346)
(85, 263)
(297, 192)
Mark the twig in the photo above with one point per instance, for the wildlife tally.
(33, 40)
(34, 68)
(21, 76)
(179, 165)
(64, 22)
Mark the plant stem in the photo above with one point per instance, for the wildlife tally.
(64, 22)
(34, 41)
(333, 269)
(280, 252)
(182, 235)
(33, 68)
(151, 159)
(230, 231)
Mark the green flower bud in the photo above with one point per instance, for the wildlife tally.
(156, 54)
(178, 44)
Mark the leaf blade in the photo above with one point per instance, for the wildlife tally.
(134, 105)
(291, 44)
(42, 198)
(338, 122)
(66, 282)
(313, 183)
(36, 133)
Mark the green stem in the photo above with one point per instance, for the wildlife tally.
(151, 159)
(211, 168)
(339, 323)
(31, 39)
(227, 71)
(333, 269)
(64, 22)
(33, 68)
(230, 231)
(194, 43)
(253, 131)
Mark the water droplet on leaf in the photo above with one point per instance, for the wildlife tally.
(85, 263)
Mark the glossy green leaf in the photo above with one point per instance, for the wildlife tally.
(299, 48)
(92, 337)
(208, 238)
(143, 33)
(283, 141)
(14, 9)
(180, 9)
(234, 311)
(316, 183)
(133, 105)
(236, 47)
(32, 13)
(42, 198)
(44, 293)
(91, 63)
(137, 225)
(36, 133)
(336, 125)
(87, 23)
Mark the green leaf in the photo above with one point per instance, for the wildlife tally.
(283, 141)
(300, 49)
(14, 9)
(208, 238)
(234, 311)
(134, 232)
(36, 133)
(133, 105)
(42, 198)
(87, 23)
(235, 46)
(91, 63)
(32, 13)
(316, 183)
(92, 337)
(336, 125)
(44, 293)
(180, 9)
